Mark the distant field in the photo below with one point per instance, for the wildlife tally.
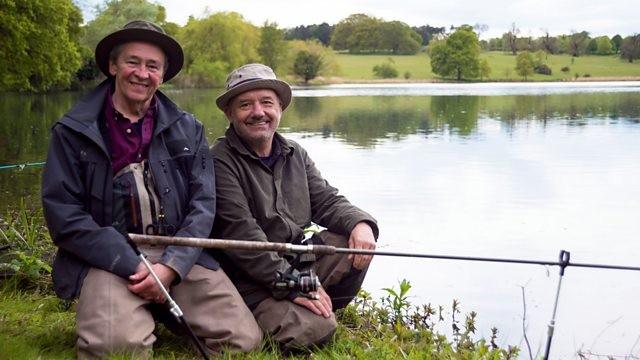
(359, 67)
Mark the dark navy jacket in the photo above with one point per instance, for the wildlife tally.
(77, 192)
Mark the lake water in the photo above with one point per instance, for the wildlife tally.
(490, 170)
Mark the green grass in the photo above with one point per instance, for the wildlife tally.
(359, 67)
(37, 325)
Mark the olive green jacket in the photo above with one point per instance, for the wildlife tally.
(258, 204)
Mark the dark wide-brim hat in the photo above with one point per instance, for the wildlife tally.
(144, 31)
(252, 77)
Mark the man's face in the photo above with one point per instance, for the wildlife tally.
(255, 115)
(138, 70)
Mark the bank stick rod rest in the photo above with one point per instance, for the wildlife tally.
(173, 306)
(563, 263)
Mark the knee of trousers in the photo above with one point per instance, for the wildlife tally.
(119, 343)
(317, 331)
(245, 338)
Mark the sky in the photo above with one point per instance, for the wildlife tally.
(531, 17)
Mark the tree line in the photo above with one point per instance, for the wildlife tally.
(40, 52)
(576, 43)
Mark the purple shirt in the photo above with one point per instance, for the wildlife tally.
(128, 142)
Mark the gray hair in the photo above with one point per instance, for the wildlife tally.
(115, 52)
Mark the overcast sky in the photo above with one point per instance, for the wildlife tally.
(601, 17)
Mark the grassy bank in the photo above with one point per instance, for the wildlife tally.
(358, 68)
(36, 325)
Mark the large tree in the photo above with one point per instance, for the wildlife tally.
(38, 51)
(578, 42)
(604, 46)
(549, 43)
(399, 38)
(458, 55)
(272, 48)
(215, 45)
(359, 33)
(114, 14)
(630, 48)
(616, 41)
(511, 39)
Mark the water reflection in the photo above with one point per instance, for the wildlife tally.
(360, 121)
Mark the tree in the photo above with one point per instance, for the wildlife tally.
(630, 48)
(38, 51)
(114, 14)
(549, 43)
(592, 46)
(329, 65)
(485, 69)
(208, 59)
(427, 33)
(578, 42)
(480, 28)
(457, 55)
(524, 64)
(320, 32)
(616, 41)
(510, 39)
(272, 48)
(399, 38)
(359, 33)
(307, 65)
(604, 46)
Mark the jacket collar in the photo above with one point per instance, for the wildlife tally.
(83, 116)
(236, 143)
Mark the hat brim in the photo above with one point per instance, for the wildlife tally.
(169, 46)
(280, 87)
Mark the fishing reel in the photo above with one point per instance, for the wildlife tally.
(303, 282)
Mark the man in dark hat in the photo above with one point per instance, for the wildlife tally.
(127, 159)
(270, 190)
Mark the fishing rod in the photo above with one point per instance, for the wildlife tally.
(244, 245)
(21, 166)
(225, 244)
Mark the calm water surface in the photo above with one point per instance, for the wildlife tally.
(458, 170)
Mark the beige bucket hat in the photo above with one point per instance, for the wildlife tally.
(251, 77)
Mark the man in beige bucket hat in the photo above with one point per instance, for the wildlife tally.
(268, 189)
(127, 159)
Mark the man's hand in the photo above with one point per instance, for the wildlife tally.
(361, 238)
(321, 306)
(144, 285)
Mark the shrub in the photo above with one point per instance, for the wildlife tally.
(565, 69)
(307, 65)
(543, 69)
(385, 71)
(407, 75)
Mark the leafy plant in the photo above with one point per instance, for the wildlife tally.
(394, 328)
(25, 248)
(385, 70)
(398, 302)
